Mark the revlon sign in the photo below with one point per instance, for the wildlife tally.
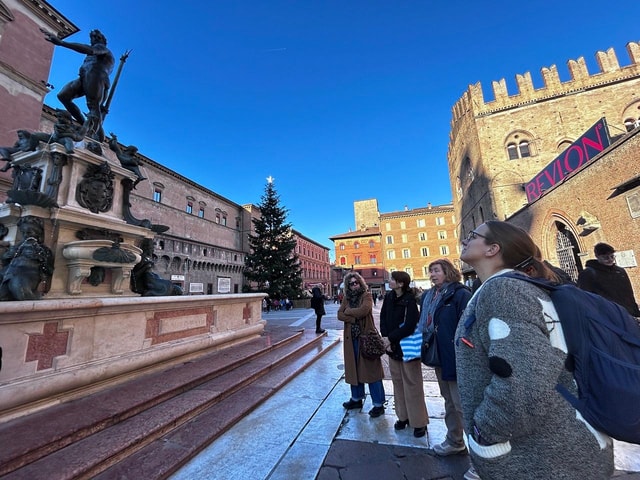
(574, 158)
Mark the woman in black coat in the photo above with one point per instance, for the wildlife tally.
(398, 320)
(317, 303)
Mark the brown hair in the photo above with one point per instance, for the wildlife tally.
(358, 277)
(451, 273)
(403, 277)
(518, 249)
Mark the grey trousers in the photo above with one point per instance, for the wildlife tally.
(452, 410)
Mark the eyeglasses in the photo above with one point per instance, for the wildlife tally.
(351, 284)
(473, 235)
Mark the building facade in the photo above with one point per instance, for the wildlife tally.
(413, 238)
(314, 262)
(359, 251)
(25, 61)
(524, 158)
(408, 240)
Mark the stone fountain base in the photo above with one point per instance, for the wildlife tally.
(57, 350)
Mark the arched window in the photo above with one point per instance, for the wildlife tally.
(356, 245)
(563, 145)
(519, 145)
(631, 123)
(631, 116)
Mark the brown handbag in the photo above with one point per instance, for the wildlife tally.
(371, 344)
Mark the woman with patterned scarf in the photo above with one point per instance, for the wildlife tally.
(442, 307)
(356, 311)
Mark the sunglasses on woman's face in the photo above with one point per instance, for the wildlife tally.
(351, 284)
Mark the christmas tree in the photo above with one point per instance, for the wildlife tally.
(273, 265)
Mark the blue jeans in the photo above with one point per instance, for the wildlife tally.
(376, 389)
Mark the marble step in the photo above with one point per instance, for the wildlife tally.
(166, 455)
(114, 423)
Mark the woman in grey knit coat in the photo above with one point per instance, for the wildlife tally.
(509, 361)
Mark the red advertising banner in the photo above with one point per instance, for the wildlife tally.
(577, 156)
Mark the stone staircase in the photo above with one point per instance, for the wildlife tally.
(150, 426)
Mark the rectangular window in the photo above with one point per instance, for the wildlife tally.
(403, 225)
(189, 207)
(406, 253)
(439, 220)
(157, 195)
(201, 213)
(161, 243)
(391, 255)
(389, 239)
(409, 270)
(217, 218)
(387, 226)
(444, 250)
(442, 234)
(424, 251)
(421, 223)
(425, 270)
(373, 259)
(357, 259)
(422, 237)
(405, 239)
(224, 221)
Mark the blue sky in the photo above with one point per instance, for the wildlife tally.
(338, 100)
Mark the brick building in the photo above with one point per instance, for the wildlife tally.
(413, 238)
(205, 246)
(497, 147)
(407, 240)
(361, 251)
(314, 261)
(25, 59)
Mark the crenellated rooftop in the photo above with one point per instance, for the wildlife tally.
(610, 72)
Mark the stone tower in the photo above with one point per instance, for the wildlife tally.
(366, 213)
(496, 146)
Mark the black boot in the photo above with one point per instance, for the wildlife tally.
(318, 329)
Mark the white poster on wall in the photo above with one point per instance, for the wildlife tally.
(224, 284)
(626, 259)
(196, 287)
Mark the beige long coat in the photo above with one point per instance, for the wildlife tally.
(364, 370)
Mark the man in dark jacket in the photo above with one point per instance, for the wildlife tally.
(604, 277)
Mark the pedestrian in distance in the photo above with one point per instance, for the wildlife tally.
(510, 356)
(441, 308)
(603, 277)
(356, 311)
(399, 319)
(317, 303)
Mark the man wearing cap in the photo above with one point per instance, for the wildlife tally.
(604, 277)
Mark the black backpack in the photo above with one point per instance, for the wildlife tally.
(603, 342)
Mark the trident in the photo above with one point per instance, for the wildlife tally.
(105, 107)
